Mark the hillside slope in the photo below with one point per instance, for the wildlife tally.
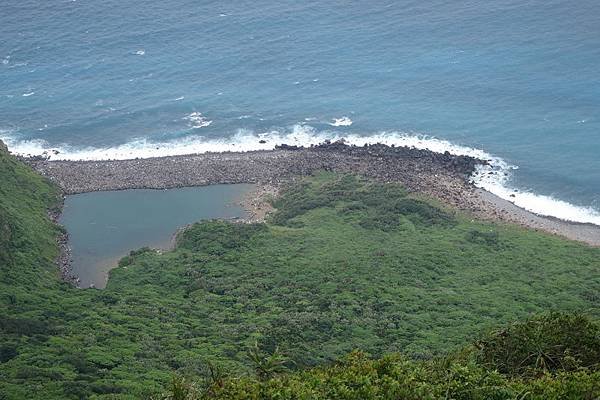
(27, 237)
(550, 357)
(343, 264)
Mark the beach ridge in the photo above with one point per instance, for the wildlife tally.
(443, 176)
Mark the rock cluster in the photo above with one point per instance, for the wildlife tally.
(64, 259)
(418, 170)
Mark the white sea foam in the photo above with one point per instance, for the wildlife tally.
(28, 94)
(494, 177)
(537, 203)
(197, 120)
(344, 121)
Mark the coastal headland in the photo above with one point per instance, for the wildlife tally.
(443, 176)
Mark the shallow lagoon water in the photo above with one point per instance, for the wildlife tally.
(105, 226)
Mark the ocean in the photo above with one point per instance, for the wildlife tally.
(515, 82)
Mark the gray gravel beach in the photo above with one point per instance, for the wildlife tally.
(441, 176)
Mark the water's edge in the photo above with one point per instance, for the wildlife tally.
(102, 227)
(494, 175)
(448, 177)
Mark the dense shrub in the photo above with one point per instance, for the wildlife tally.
(422, 212)
(411, 282)
(105, 388)
(36, 373)
(395, 377)
(490, 238)
(377, 206)
(548, 343)
(218, 237)
(23, 326)
(549, 356)
(76, 389)
(80, 363)
(6, 234)
(27, 237)
(8, 351)
(134, 255)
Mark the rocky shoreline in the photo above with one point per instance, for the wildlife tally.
(257, 203)
(416, 169)
(441, 176)
(64, 260)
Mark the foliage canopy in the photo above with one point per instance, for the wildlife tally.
(343, 264)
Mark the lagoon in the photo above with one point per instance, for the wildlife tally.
(105, 226)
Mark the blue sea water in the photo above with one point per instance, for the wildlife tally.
(515, 81)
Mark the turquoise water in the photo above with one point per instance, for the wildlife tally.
(515, 80)
(105, 226)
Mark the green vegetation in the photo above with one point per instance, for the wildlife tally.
(27, 237)
(460, 375)
(552, 343)
(343, 264)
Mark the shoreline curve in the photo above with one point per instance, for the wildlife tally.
(443, 176)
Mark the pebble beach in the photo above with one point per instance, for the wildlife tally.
(444, 177)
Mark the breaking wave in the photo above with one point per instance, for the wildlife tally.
(494, 177)
(344, 121)
(197, 120)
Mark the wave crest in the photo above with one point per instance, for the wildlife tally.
(343, 121)
(197, 120)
